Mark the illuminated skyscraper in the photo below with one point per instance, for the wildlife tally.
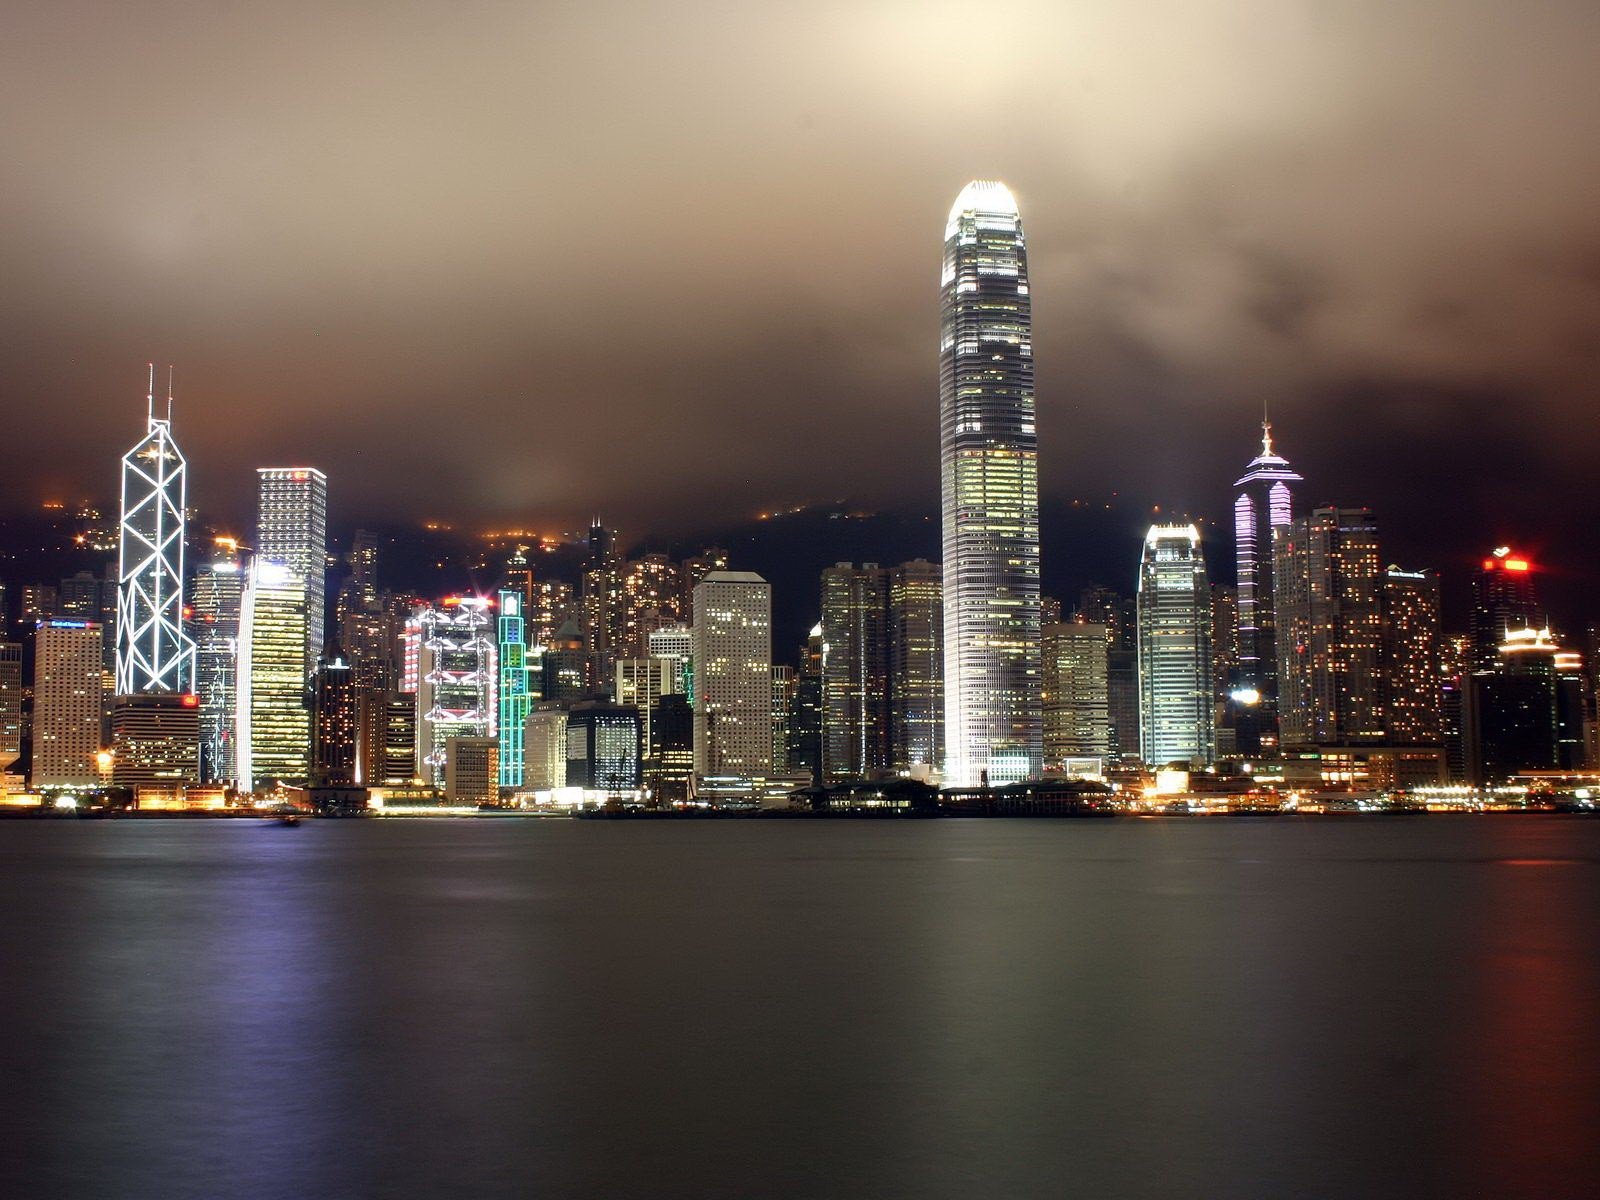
(1503, 601)
(733, 675)
(990, 485)
(293, 530)
(455, 686)
(1077, 709)
(677, 643)
(1100, 605)
(1329, 629)
(154, 653)
(274, 738)
(334, 722)
(855, 672)
(10, 702)
(514, 693)
(652, 598)
(640, 684)
(1176, 716)
(916, 667)
(386, 738)
(603, 747)
(214, 622)
(1410, 660)
(1264, 504)
(68, 683)
(155, 740)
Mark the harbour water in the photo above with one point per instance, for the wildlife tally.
(1361, 1006)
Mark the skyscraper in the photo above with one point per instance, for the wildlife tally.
(334, 722)
(274, 738)
(805, 722)
(514, 694)
(1503, 600)
(1329, 629)
(1264, 504)
(386, 738)
(916, 667)
(990, 487)
(601, 604)
(640, 684)
(1409, 666)
(1077, 710)
(855, 672)
(1175, 707)
(153, 651)
(733, 675)
(455, 686)
(68, 683)
(1100, 605)
(214, 622)
(293, 530)
(10, 703)
(155, 740)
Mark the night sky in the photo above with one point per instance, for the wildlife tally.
(679, 262)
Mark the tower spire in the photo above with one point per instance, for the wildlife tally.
(169, 393)
(150, 395)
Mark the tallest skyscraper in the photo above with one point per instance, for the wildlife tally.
(988, 453)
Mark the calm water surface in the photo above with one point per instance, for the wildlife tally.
(1354, 1007)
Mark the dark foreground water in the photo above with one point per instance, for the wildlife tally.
(1353, 1007)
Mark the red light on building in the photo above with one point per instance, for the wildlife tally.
(299, 476)
(1517, 564)
(190, 701)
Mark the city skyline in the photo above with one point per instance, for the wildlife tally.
(1410, 306)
